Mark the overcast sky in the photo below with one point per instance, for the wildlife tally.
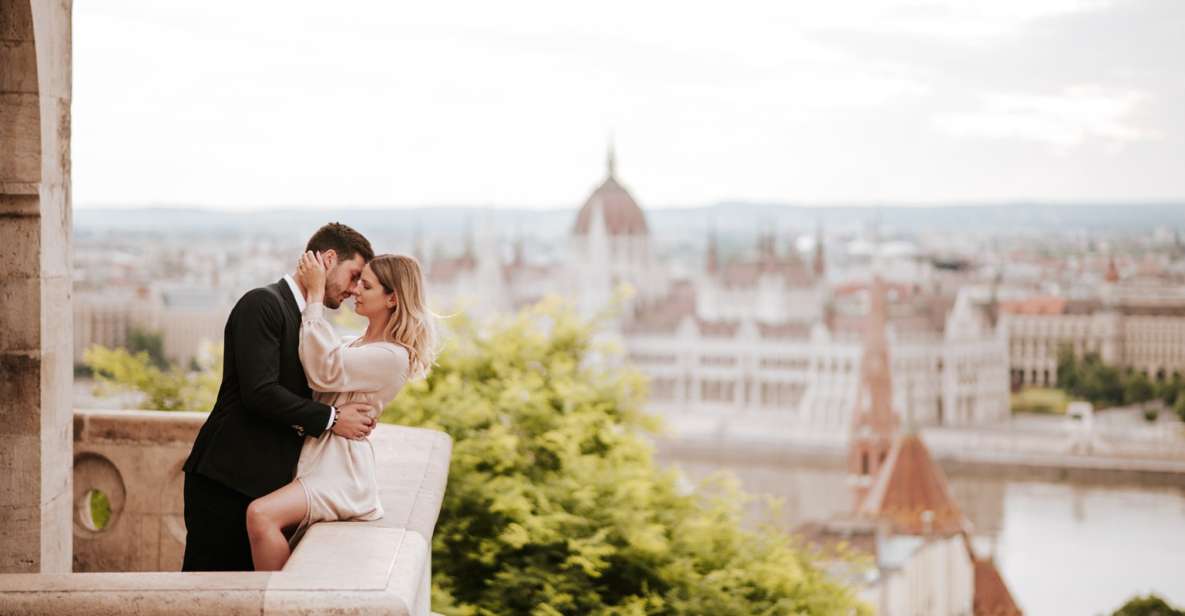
(261, 104)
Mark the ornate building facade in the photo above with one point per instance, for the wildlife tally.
(770, 340)
(904, 517)
(1137, 324)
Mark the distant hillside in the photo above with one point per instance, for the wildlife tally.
(669, 223)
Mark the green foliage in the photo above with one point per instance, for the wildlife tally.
(150, 342)
(1067, 368)
(1171, 390)
(1040, 400)
(100, 508)
(1088, 378)
(165, 390)
(1151, 605)
(1137, 388)
(554, 504)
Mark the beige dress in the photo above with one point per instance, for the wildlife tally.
(338, 473)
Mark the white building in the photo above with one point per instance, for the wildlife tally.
(187, 319)
(1138, 324)
(767, 341)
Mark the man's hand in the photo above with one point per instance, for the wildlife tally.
(354, 421)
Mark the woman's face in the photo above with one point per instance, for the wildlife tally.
(370, 299)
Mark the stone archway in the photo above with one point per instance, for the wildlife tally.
(36, 320)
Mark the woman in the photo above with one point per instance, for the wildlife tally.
(335, 477)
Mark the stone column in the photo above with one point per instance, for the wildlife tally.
(36, 322)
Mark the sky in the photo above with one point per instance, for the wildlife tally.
(513, 104)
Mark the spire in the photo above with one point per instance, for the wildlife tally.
(519, 252)
(873, 423)
(1112, 275)
(909, 426)
(519, 245)
(820, 266)
(713, 254)
(994, 300)
(611, 158)
(470, 254)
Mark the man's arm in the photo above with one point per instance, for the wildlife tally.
(257, 325)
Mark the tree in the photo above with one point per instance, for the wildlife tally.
(1067, 368)
(1137, 388)
(1097, 382)
(1171, 389)
(165, 390)
(150, 342)
(1151, 605)
(554, 505)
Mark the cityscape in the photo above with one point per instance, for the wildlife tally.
(755, 335)
(678, 309)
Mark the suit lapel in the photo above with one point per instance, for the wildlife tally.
(288, 299)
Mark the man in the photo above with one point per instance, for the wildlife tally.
(251, 442)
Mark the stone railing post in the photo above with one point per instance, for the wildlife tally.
(36, 321)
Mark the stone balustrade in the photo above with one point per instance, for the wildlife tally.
(134, 459)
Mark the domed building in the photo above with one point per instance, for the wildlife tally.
(617, 208)
(610, 247)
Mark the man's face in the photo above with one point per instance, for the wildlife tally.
(341, 278)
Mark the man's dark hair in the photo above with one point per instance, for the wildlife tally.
(343, 240)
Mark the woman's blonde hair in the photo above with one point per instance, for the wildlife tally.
(411, 325)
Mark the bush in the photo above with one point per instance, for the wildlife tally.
(1088, 378)
(1040, 400)
(554, 505)
(1151, 605)
(165, 390)
(150, 342)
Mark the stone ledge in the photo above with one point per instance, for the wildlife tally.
(377, 567)
(339, 568)
(156, 427)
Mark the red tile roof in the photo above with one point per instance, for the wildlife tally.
(909, 485)
(1035, 305)
(622, 216)
(991, 593)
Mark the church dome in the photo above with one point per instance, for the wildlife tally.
(621, 213)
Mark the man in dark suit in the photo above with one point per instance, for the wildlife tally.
(250, 443)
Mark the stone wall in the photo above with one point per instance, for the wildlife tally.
(35, 313)
(134, 459)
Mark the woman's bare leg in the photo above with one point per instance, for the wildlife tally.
(267, 517)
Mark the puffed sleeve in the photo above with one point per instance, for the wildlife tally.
(336, 367)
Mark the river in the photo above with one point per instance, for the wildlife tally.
(1065, 547)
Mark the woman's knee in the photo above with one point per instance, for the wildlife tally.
(258, 517)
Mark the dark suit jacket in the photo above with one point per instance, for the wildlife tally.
(249, 442)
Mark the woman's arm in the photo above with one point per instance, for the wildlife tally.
(253, 340)
(335, 367)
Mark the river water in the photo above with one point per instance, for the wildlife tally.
(1065, 547)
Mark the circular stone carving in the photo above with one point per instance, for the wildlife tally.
(94, 473)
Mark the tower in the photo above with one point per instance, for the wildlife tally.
(820, 265)
(874, 423)
(713, 261)
(1112, 275)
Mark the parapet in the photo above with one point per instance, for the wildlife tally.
(129, 565)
